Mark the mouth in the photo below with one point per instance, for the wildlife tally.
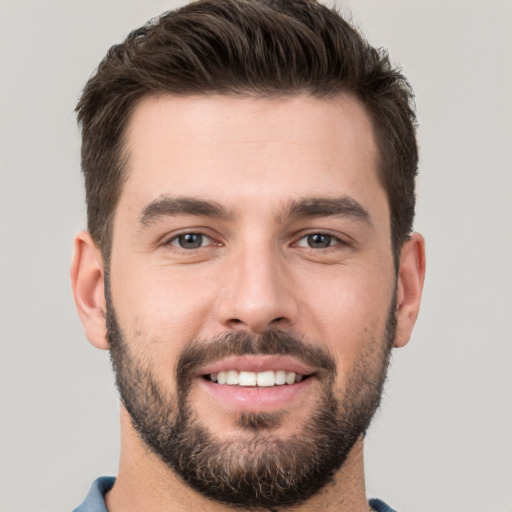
(257, 371)
(257, 383)
(266, 378)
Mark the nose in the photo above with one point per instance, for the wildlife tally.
(257, 292)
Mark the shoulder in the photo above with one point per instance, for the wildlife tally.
(95, 501)
(380, 506)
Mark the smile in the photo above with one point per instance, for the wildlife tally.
(267, 378)
(257, 382)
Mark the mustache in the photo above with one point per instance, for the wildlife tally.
(240, 343)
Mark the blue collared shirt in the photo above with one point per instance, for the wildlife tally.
(95, 500)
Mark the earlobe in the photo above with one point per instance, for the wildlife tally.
(411, 276)
(87, 274)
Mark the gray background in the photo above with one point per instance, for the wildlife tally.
(442, 440)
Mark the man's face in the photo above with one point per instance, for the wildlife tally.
(251, 244)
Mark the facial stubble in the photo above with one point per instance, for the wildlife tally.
(263, 470)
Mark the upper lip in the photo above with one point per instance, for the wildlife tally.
(257, 363)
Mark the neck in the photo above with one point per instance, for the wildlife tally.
(144, 482)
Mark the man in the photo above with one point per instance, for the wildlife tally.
(249, 169)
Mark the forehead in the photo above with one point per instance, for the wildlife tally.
(231, 149)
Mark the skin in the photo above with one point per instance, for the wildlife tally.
(255, 271)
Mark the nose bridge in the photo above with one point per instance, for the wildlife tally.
(256, 292)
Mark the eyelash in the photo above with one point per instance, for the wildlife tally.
(176, 238)
(334, 240)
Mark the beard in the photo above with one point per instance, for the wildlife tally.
(260, 470)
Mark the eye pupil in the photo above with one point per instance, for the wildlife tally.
(319, 241)
(190, 240)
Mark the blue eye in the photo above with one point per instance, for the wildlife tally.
(317, 241)
(190, 240)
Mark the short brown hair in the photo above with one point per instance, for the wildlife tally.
(245, 47)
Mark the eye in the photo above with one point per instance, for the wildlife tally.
(191, 240)
(317, 241)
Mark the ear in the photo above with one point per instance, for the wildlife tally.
(411, 276)
(87, 273)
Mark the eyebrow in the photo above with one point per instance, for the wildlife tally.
(328, 207)
(167, 206)
(171, 206)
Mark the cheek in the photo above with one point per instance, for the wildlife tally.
(348, 313)
(349, 298)
(159, 317)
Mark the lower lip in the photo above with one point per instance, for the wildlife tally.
(257, 398)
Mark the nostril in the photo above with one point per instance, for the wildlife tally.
(277, 320)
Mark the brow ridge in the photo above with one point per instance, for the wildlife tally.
(343, 206)
(166, 206)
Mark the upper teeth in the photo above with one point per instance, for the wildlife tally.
(266, 378)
